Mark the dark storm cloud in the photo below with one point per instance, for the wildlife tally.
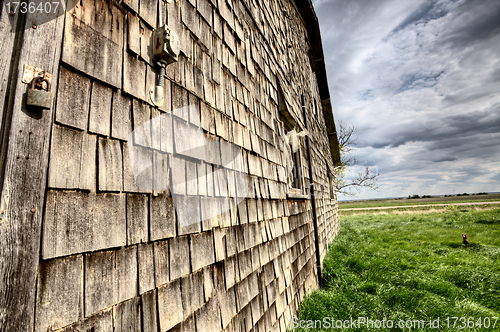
(479, 21)
(430, 10)
(421, 82)
(440, 130)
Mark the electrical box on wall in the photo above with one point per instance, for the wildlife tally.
(166, 45)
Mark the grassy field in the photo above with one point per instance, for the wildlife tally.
(419, 201)
(411, 267)
(419, 209)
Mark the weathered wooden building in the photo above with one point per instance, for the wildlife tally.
(204, 211)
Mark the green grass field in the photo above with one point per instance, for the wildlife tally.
(419, 209)
(412, 267)
(419, 201)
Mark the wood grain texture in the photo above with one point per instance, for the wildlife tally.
(110, 278)
(73, 99)
(149, 312)
(121, 124)
(146, 265)
(169, 306)
(24, 178)
(127, 316)
(100, 109)
(77, 222)
(72, 159)
(110, 165)
(137, 218)
(59, 298)
(92, 53)
(162, 220)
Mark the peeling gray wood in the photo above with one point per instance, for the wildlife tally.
(167, 94)
(148, 10)
(179, 102)
(149, 312)
(100, 322)
(7, 38)
(202, 250)
(227, 306)
(110, 278)
(178, 169)
(208, 317)
(134, 76)
(89, 51)
(163, 219)
(192, 292)
(146, 266)
(100, 109)
(161, 263)
(146, 48)
(191, 178)
(188, 214)
(169, 305)
(142, 125)
(137, 218)
(133, 34)
(132, 4)
(166, 137)
(190, 18)
(78, 222)
(23, 181)
(179, 257)
(230, 266)
(72, 159)
(121, 124)
(73, 99)
(127, 316)
(144, 178)
(110, 165)
(59, 299)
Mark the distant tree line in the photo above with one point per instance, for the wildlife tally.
(429, 196)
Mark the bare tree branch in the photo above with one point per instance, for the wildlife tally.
(365, 179)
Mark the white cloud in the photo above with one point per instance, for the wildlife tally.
(421, 81)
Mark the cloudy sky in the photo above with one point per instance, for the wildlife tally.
(421, 82)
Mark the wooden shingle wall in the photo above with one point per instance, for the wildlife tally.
(114, 254)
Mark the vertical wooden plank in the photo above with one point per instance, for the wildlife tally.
(110, 165)
(202, 250)
(146, 266)
(148, 10)
(72, 159)
(161, 266)
(149, 312)
(110, 278)
(78, 222)
(100, 109)
(65, 157)
(121, 124)
(24, 178)
(134, 76)
(59, 298)
(137, 218)
(88, 50)
(8, 67)
(169, 305)
(133, 37)
(88, 162)
(179, 257)
(73, 99)
(192, 292)
(127, 316)
(162, 223)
